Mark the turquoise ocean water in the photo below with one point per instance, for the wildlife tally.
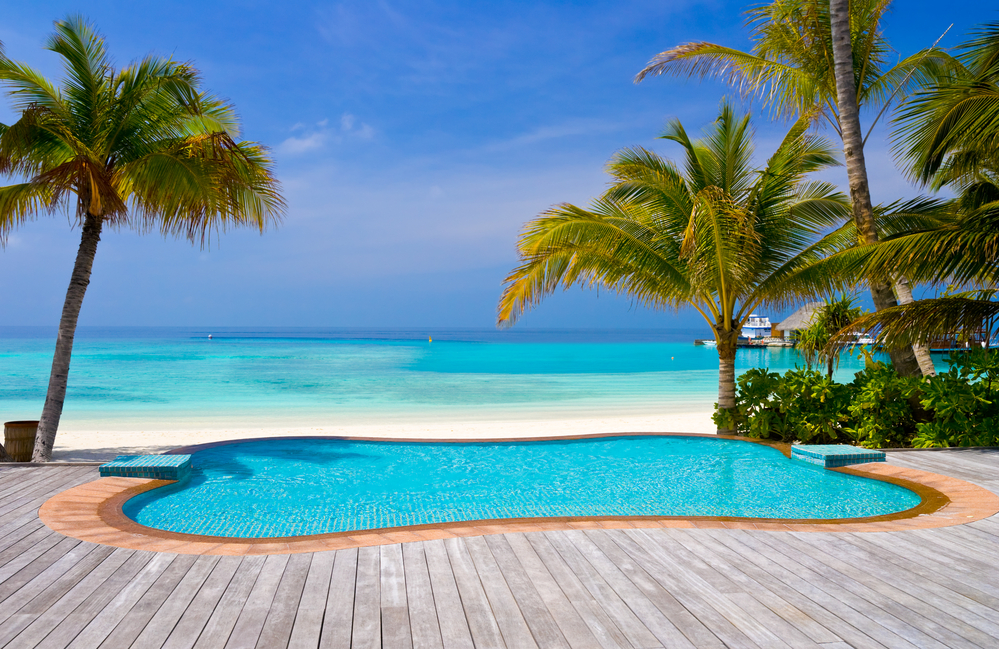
(162, 378)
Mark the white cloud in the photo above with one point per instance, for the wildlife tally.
(296, 145)
(321, 134)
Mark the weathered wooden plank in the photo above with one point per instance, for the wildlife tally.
(282, 610)
(481, 623)
(509, 617)
(34, 545)
(648, 611)
(903, 620)
(855, 628)
(136, 619)
(109, 615)
(219, 626)
(941, 582)
(536, 577)
(53, 563)
(426, 630)
(66, 616)
(543, 627)
(195, 617)
(565, 595)
(37, 596)
(32, 600)
(455, 633)
(253, 615)
(667, 591)
(16, 534)
(604, 595)
(367, 631)
(308, 628)
(880, 626)
(973, 584)
(396, 630)
(935, 602)
(709, 565)
(339, 619)
(725, 618)
(184, 614)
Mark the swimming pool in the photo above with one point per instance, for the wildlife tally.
(305, 486)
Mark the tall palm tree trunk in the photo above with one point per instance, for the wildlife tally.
(856, 167)
(726, 373)
(904, 292)
(56, 395)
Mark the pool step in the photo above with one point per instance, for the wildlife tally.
(153, 467)
(834, 455)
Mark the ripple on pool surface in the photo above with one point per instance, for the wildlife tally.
(293, 487)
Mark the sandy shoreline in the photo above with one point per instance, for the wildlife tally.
(99, 445)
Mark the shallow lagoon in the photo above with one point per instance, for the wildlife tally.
(139, 378)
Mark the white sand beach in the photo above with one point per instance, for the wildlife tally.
(88, 445)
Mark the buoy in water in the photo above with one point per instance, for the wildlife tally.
(431, 339)
(209, 336)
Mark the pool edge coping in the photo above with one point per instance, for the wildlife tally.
(93, 511)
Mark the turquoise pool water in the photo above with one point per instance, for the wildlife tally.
(292, 487)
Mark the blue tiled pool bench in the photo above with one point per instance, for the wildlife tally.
(153, 467)
(834, 455)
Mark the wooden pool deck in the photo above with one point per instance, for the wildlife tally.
(594, 588)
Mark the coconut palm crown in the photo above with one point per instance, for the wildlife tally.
(141, 147)
(793, 69)
(716, 235)
(947, 132)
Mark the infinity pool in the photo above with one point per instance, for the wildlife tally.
(293, 487)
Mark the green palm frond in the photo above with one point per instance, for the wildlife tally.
(719, 236)
(947, 130)
(143, 147)
(964, 249)
(790, 68)
(21, 203)
(921, 322)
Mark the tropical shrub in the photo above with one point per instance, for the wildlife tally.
(964, 403)
(881, 407)
(878, 409)
(803, 405)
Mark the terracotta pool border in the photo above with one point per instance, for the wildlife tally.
(93, 511)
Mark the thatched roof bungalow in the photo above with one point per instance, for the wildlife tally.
(800, 319)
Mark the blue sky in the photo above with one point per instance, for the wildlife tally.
(413, 140)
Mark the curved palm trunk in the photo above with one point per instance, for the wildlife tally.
(904, 292)
(856, 167)
(52, 411)
(726, 373)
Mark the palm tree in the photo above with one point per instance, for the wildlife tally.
(948, 131)
(718, 236)
(793, 69)
(948, 135)
(817, 343)
(140, 147)
(960, 251)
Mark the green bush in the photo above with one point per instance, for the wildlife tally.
(881, 407)
(963, 402)
(878, 409)
(803, 405)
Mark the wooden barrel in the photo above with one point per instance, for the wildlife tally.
(19, 439)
